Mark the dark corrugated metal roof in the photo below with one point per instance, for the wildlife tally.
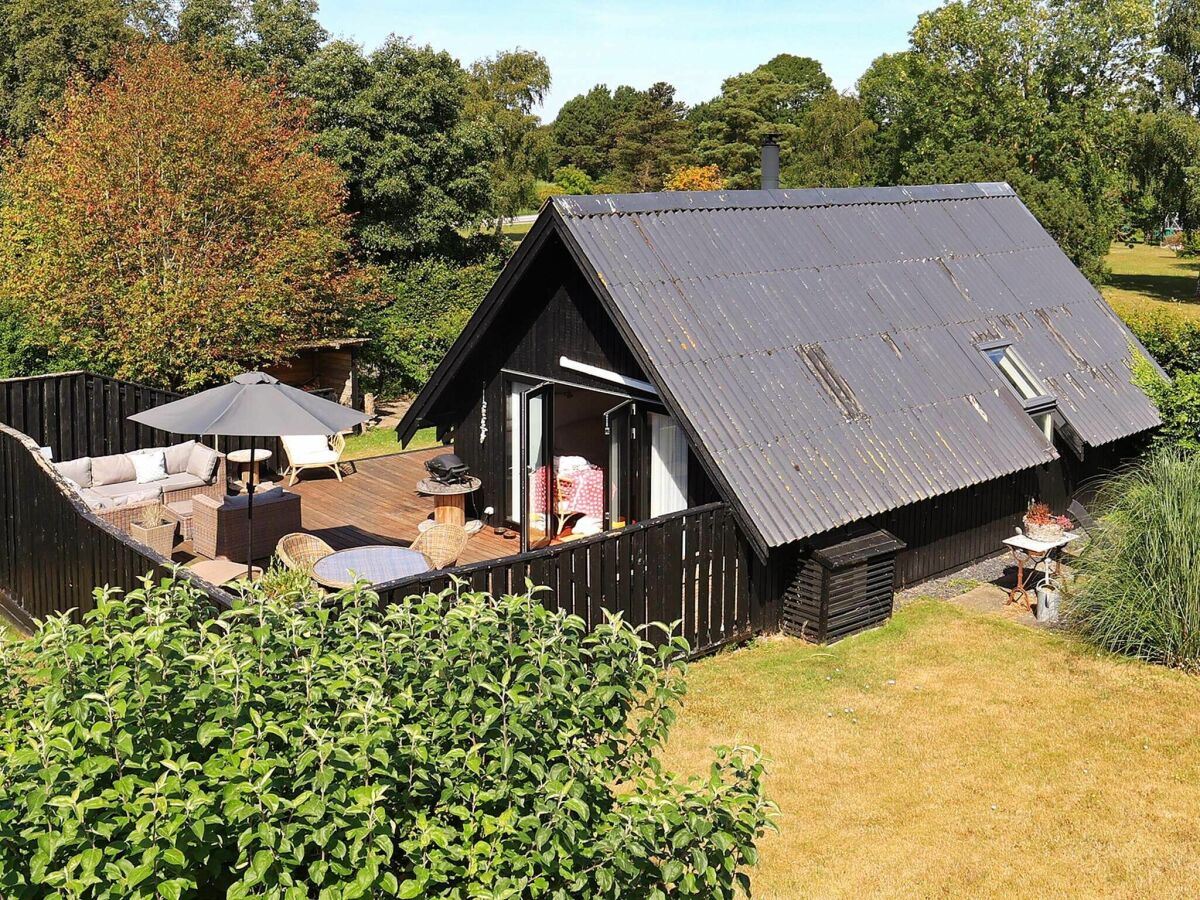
(821, 343)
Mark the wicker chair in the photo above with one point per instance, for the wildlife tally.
(220, 529)
(300, 551)
(441, 545)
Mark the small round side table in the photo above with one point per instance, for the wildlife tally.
(242, 457)
(449, 500)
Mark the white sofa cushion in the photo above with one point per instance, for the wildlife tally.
(202, 462)
(180, 482)
(308, 448)
(149, 465)
(177, 457)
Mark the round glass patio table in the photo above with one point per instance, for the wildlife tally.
(377, 564)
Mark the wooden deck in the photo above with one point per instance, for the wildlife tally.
(377, 503)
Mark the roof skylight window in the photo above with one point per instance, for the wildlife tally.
(1033, 396)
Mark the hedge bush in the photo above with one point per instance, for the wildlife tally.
(453, 746)
(430, 303)
(1175, 344)
(1177, 401)
(1138, 585)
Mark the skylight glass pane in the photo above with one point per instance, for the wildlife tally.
(1015, 372)
(1018, 379)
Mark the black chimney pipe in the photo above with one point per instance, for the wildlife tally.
(770, 163)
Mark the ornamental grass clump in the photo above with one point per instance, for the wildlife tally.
(1138, 590)
(451, 746)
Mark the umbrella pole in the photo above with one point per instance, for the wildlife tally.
(250, 517)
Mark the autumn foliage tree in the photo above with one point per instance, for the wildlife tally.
(695, 178)
(173, 225)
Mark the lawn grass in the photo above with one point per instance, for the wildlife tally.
(1149, 280)
(952, 753)
(384, 441)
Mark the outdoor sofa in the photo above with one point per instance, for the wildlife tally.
(110, 487)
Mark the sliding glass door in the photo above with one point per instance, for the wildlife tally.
(537, 487)
(621, 476)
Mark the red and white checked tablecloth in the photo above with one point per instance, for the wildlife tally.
(582, 491)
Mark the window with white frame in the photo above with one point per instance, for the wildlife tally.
(1029, 390)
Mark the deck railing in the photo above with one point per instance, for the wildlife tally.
(692, 569)
(53, 550)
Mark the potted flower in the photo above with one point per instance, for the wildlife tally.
(154, 531)
(1042, 525)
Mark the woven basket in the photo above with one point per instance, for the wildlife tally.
(1048, 533)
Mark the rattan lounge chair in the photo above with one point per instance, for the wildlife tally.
(441, 544)
(300, 551)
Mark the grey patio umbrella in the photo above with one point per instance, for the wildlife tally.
(253, 405)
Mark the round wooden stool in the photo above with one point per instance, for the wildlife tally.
(449, 500)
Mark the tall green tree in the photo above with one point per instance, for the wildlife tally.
(1178, 66)
(833, 145)
(770, 101)
(650, 136)
(583, 132)
(274, 38)
(417, 167)
(1050, 84)
(1165, 170)
(503, 91)
(44, 44)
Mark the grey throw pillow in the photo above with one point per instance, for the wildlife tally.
(77, 470)
(113, 469)
(202, 462)
(177, 457)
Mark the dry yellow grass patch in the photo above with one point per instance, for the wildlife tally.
(1002, 761)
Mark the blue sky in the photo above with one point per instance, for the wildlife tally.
(694, 45)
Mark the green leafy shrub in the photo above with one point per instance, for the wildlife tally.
(1138, 585)
(453, 746)
(1177, 401)
(1174, 344)
(573, 180)
(431, 302)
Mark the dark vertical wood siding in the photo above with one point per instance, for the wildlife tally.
(958, 528)
(550, 312)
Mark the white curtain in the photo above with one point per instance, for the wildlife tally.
(516, 464)
(668, 466)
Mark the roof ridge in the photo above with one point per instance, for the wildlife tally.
(801, 198)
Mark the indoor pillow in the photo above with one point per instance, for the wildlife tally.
(150, 466)
(202, 462)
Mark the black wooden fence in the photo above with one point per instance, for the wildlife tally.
(53, 550)
(82, 414)
(692, 568)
